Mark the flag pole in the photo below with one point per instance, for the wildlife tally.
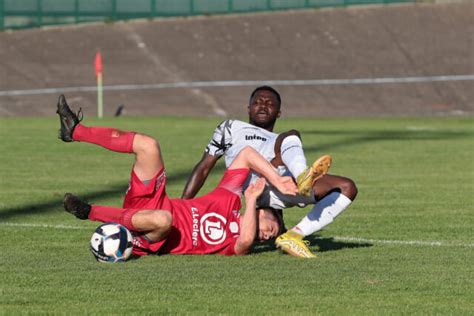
(100, 95)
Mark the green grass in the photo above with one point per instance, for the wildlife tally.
(415, 180)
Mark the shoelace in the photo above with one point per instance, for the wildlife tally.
(79, 115)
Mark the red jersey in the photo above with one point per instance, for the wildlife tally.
(206, 225)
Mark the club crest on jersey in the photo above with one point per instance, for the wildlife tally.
(212, 228)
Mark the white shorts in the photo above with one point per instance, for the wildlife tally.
(271, 197)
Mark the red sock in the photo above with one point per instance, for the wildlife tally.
(118, 215)
(110, 138)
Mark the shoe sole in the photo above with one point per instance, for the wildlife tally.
(64, 133)
(320, 167)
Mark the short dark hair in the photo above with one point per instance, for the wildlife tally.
(265, 88)
(278, 214)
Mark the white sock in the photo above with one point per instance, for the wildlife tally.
(323, 213)
(292, 155)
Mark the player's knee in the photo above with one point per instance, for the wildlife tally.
(158, 225)
(147, 144)
(161, 220)
(348, 188)
(246, 150)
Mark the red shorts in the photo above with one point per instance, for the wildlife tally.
(143, 247)
(149, 196)
(146, 195)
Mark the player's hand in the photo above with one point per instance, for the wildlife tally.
(255, 190)
(287, 185)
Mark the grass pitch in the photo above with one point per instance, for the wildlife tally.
(404, 247)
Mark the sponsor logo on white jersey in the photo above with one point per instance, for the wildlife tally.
(255, 137)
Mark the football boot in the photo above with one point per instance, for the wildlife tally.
(307, 178)
(74, 205)
(293, 244)
(68, 119)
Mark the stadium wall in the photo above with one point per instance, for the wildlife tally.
(358, 61)
(16, 14)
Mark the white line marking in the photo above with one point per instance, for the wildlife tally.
(430, 243)
(239, 83)
(32, 225)
(419, 128)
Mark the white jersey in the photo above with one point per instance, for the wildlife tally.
(231, 136)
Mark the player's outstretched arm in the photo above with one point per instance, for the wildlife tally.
(250, 158)
(199, 175)
(248, 221)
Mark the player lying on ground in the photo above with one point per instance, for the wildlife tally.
(205, 225)
(330, 194)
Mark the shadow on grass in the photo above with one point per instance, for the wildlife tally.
(321, 244)
(112, 190)
(329, 244)
(364, 137)
(354, 138)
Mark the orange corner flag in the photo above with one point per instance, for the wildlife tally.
(98, 64)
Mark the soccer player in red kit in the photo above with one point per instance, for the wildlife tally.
(210, 224)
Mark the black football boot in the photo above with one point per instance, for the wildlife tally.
(68, 119)
(76, 207)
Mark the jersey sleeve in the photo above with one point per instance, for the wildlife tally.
(221, 139)
(233, 180)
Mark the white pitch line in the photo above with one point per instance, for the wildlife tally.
(431, 243)
(239, 83)
(33, 225)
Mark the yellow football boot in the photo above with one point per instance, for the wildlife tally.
(293, 244)
(306, 179)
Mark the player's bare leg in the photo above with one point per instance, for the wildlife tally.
(156, 224)
(148, 160)
(249, 158)
(330, 183)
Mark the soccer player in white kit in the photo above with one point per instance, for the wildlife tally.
(330, 194)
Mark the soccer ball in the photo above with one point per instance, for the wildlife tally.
(111, 242)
